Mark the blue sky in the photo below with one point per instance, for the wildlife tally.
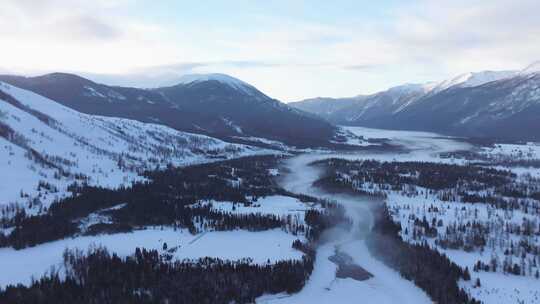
(289, 49)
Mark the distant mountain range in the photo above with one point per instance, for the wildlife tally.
(494, 104)
(213, 104)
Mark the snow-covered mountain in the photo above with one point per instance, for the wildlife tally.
(212, 104)
(533, 68)
(325, 106)
(45, 146)
(365, 107)
(472, 79)
(222, 78)
(503, 104)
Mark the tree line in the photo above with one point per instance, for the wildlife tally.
(146, 277)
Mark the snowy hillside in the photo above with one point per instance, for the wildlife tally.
(496, 104)
(394, 99)
(46, 146)
(215, 105)
(472, 79)
(532, 68)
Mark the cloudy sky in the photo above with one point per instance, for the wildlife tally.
(290, 49)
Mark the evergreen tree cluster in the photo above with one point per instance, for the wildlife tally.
(435, 176)
(427, 268)
(168, 197)
(146, 277)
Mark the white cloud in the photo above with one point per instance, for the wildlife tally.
(470, 35)
(289, 58)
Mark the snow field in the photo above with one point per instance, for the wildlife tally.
(279, 205)
(19, 266)
(386, 287)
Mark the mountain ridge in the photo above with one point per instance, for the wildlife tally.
(215, 104)
(504, 105)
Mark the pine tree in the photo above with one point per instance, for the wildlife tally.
(477, 284)
(466, 274)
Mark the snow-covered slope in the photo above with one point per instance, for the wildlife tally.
(216, 105)
(325, 106)
(222, 78)
(472, 79)
(351, 108)
(532, 68)
(394, 99)
(45, 146)
(497, 104)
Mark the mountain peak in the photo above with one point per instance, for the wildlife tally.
(532, 68)
(56, 78)
(62, 76)
(223, 78)
(409, 88)
(473, 79)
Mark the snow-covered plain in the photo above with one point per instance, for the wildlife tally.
(421, 146)
(19, 266)
(276, 204)
(522, 159)
(526, 151)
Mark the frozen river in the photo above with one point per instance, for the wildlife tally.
(386, 286)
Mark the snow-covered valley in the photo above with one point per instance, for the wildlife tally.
(47, 147)
(323, 287)
(269, 152)
(490, 285)
(387, 286)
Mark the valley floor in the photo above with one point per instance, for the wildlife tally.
(385, 287)
(271, 246)
(20, 266)
(423, 147)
